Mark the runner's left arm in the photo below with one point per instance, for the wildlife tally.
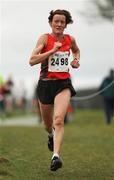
(75, 53)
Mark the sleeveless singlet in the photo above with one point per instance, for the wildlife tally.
(56, 66)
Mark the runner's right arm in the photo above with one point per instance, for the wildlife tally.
(38, 57)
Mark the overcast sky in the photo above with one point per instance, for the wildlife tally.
(23, 22)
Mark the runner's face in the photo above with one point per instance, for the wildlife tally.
(58, 24)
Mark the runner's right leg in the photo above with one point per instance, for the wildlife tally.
(47, 117)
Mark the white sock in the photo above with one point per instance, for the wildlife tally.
(55, 154)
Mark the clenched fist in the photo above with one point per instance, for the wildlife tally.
(75, 63)
(57, 45)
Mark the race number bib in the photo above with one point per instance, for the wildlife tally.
(58, 62)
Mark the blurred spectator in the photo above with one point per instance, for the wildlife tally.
(35, 104)
(108, 95)
(8, 94)
(2, 98)
(69, 113)
(20, 96)
(23, 96)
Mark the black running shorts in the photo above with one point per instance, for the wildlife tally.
(48, 89)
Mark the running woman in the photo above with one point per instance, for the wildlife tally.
(55, 88)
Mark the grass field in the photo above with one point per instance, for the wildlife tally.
(87, 152)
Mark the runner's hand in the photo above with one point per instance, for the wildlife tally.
(75, 63)
(57, 45)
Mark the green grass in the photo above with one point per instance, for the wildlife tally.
(87, 152)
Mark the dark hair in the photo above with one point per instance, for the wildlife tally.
(61, 12)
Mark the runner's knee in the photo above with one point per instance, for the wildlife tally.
(58, 121)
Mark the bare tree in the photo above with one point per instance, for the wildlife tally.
(99, 9)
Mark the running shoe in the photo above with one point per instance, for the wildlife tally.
(50, 143)
(56, 163)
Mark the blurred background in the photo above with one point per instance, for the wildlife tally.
(89, 140)
(22, 22)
